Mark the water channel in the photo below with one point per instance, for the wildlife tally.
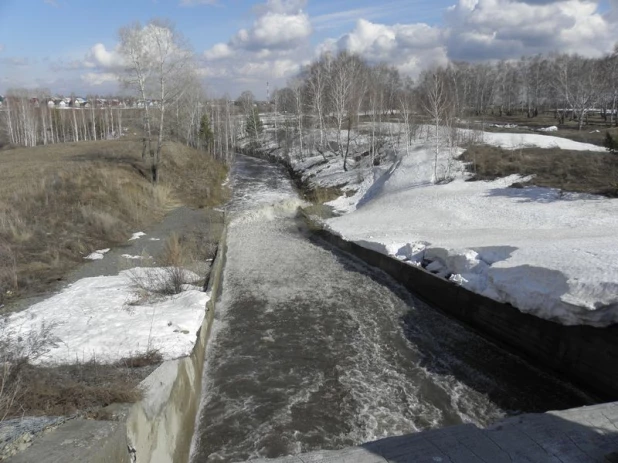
(312, 349)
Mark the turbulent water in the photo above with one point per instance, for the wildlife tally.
(314, 350)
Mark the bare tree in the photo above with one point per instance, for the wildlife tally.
(296, 85)
(137, 54)
(578, 84)
(436, 102)
(172, 64)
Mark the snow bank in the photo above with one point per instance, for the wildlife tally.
(98, 318)
(550, 254)
(522, 140)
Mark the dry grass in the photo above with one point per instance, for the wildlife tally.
(27, 389)
(187, 249)
(67, 389)
(576, 171)
(183, 257)
(593, 132)
(60, 202)
(321, 195)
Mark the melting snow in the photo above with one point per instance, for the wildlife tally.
(137, 235)
(100, 318)
(97, 255)
(548, 253)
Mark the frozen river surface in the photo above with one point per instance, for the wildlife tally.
(314, 350)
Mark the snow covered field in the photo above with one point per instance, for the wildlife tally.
(103, 318)
(549, 254)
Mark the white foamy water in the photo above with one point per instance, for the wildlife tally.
(314, 350)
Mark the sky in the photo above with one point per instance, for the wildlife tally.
(70, 46)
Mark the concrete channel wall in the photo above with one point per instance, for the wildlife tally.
(161, 426)
(585, 355)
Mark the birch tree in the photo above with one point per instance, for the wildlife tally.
(435, 101)
(172, 65)
(137, 54)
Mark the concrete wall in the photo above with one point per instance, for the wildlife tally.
(585, 355)
(160, 427)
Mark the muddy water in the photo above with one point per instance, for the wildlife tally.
(314, 350)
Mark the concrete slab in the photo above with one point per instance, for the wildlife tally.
(79, 440)
(579, 435)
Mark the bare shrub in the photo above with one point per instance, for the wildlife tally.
(160, 281)
(8, 272)
(15, 353)
(174, 253)
(191, 250)
(27, 389)
(148, 358)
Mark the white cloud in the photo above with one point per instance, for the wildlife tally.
(218, 51)
(99, 56)
(280, 6)
(53, 3)
(99, 78)
(1, 47)
(495, 29)
(410, 47)
(16, 61)
(277, 69)
(274, 31)
(271, 49)
(484, 29)
(280, 25)
(197, 2)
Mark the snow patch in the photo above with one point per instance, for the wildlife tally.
(97, 255)
(522, 140)
(136, 236)
(98, 318)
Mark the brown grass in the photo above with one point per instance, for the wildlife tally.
(191, 251)
(67, 389)
(60, 202)
(576, 171)
(187, 249)
(569, 129)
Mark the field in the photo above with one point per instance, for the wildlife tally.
(575, 171)
(592, 132)
(60, 202)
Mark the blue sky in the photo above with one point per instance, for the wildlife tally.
(49, 43)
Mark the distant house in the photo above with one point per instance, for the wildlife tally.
(51, 104)
(63, 103)
(79, 102)
(1, 101)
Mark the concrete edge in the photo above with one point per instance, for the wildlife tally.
(584, 355)
(161, 426)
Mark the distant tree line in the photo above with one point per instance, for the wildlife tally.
(338, 91)
(27, 120)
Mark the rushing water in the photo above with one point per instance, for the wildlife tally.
(313, 350)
